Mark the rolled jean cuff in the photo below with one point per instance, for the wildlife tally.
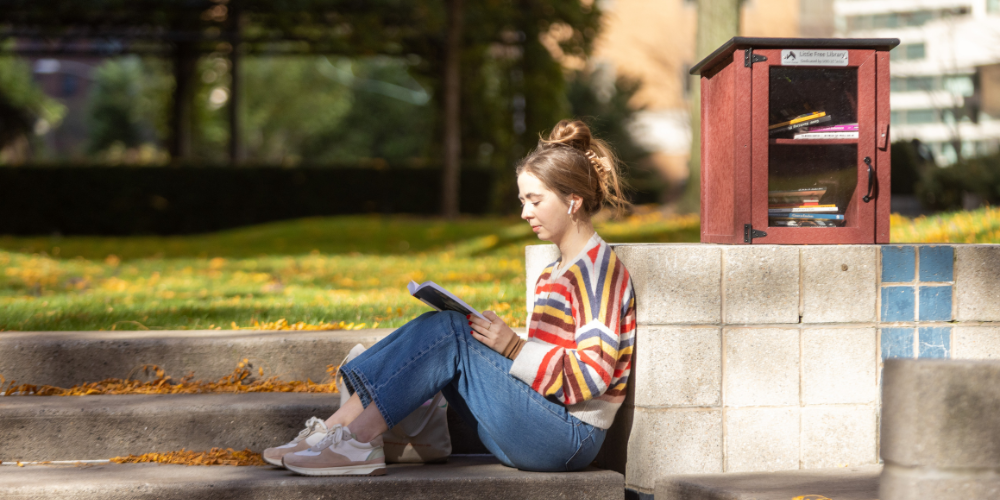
(356, 385)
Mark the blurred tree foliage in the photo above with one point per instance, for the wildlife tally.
(23, 105)
(911, 162)
(387, 113)
(341, 81)
(964, 185)
(128, 104)
(604, 105)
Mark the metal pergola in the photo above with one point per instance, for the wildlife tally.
(184, 30)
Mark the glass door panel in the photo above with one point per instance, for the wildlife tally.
(813, 146)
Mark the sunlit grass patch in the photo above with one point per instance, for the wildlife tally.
(320, 273)
(323, 273)
(975, 226)
(39, 292)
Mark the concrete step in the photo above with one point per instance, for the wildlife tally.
(847, 483)
(39, 428)
(67, 358)
(462, 477)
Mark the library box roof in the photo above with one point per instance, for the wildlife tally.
(745, 42)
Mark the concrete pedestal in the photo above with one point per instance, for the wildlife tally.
(753, 358)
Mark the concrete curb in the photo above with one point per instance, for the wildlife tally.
(855, 483)
(461, 477)
(99, 427)
(67, 358)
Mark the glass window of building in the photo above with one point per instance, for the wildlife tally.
(918, 116)
(915, 51)
(959, 84)
(908, 52)
(905, 19)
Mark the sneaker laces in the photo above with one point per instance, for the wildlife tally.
(337, 434)
(311, 426)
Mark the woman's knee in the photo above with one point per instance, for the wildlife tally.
(449, 319)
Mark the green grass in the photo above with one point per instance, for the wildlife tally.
(315, 271)
(975, 226)
(318, 270)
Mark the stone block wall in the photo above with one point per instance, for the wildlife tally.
(939, 430)
(768, 357)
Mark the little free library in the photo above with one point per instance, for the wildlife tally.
(795, 141)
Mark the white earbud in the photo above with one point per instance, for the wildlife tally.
(571, 203)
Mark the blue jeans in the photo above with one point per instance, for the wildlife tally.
(435, 352)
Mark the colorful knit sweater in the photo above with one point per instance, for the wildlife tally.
(581, 334)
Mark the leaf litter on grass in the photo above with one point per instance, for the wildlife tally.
(241, 380)
(214, 456)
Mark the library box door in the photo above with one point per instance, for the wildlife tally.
(813, 146)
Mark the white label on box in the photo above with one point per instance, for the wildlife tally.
(800, 57)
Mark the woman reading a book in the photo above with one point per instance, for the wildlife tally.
(543, 404)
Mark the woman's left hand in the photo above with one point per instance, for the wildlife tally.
(492, 331)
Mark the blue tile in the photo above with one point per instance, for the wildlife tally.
(937, 263)
(935, 303)
(898, 264)
(935, 342)
(897, 303)
(897, 343)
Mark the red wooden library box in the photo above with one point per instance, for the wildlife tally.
(795, 141)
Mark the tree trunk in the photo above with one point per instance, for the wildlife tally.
(452, 116)
(185, 61)
(236, 153)
(718, 21)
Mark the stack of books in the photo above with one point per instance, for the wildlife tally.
(801, 208)
(842, 131)
(806, 120)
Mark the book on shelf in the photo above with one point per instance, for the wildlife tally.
(803, 223)
(796, 126)
(797, 205)
(826, 135)
(813, 200)
(829, 209)
(437, 297)
(792, 215)
(798, 119)
(813, 192)
(843, 127)
(802, 196)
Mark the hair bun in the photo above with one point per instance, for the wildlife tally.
(572, 133)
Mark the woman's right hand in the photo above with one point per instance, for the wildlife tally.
(492, 331)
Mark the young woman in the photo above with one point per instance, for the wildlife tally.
(541, 405)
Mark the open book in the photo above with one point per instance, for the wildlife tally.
(432, 294)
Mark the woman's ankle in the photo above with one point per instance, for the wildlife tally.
(363, 436)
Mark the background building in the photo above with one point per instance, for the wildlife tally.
(654, 41)
(945, 72)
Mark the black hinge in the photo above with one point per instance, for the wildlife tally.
(749, 233)
(749, 58)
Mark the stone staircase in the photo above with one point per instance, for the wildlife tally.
(51, 428)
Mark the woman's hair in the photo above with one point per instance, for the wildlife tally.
(572, 161)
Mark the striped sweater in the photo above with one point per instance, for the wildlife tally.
(581, 334)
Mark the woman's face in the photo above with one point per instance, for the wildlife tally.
(543, 208)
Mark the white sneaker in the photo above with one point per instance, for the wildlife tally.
(314, 432)
(339, 454)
